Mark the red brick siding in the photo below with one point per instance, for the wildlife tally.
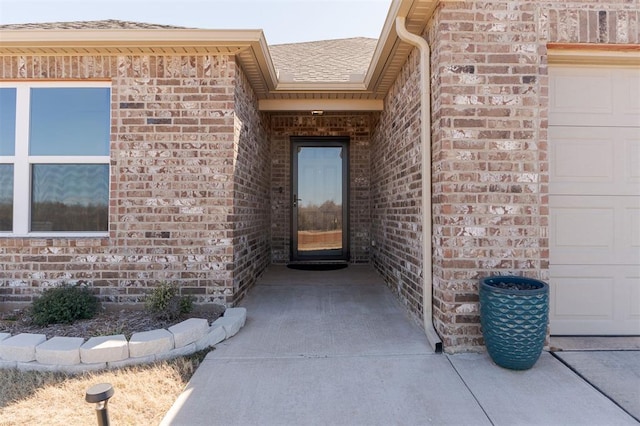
(172, 182)
(357, 127)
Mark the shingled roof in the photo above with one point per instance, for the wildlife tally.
(320, 61)
(332, 75)
(108, 24)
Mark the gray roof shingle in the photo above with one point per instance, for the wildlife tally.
(108, 24)
(323, 61)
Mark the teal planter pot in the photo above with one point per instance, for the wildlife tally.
(514, 312)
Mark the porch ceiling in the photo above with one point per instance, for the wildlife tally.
(250, 49)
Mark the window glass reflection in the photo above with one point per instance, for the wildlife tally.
(70, 197)
(7, 121)
(69, 121)
(319, 199)
(6, 197)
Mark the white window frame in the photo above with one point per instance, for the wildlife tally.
(22, 161)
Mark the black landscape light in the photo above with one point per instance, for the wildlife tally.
(100, 394)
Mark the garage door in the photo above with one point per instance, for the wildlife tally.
(594, 187)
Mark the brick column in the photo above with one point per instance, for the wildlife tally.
(489, 157)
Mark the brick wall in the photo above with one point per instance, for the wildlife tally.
(173, 177)
(251, 206)
(589, 21)
(192, 161)
(357, 127)
(489, 151)
(396, 180)
(489, 160)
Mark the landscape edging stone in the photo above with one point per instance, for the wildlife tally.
(215, 334)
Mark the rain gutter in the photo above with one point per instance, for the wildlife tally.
(425, 139)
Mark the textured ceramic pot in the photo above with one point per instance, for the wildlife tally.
(514, 312)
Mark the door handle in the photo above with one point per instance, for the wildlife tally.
(295, 200)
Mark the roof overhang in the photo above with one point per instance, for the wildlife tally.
(248, 45)
(252, 53)
(391, 53)
(389, 56)
(122, 41)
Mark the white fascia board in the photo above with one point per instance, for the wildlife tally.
(388, 30)
(388, 36)
(320, 104)
(263, 57)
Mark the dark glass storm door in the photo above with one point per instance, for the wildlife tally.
(319, 199)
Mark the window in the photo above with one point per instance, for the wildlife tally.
(54, 158)
(6, 197)
(7, 121)
(7, 144)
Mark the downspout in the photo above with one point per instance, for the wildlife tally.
(425, 140)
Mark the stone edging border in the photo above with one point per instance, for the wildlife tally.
(26, 351)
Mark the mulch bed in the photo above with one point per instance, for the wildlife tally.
(125, 321)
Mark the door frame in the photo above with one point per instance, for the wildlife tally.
(319, 142)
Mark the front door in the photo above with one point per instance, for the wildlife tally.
(319, 199)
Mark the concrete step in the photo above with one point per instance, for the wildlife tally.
(60, 351)
(21, 347)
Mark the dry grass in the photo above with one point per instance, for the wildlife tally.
(143, 394)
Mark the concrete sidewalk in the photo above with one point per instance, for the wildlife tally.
(336, 348)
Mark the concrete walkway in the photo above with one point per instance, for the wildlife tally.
(336, 348)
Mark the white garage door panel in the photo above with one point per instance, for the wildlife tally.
(595, 300)
(586, 230)
(633, 160)
(594, 200)
(594, 160)
(573, 297)
(629, 86)
(632, 285)
(568, 94)
(596, 96)
(632, 226)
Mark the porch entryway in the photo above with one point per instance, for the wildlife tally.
(344, 312)
(325, 348)
(336, 348)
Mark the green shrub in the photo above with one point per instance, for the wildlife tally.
(165, 303)
(64, 304)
